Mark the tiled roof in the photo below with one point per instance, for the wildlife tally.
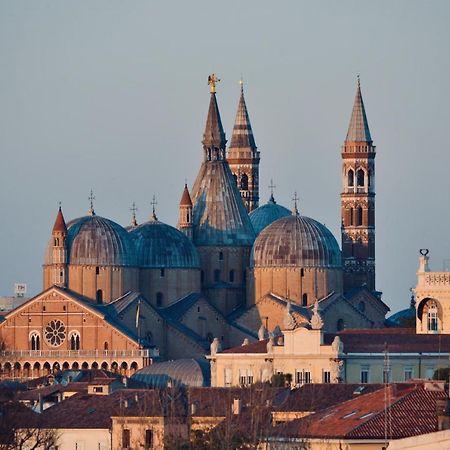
(411, 411)
(60, 223)
(317, 396)
(358, 130)
(397, 339)
(253, 347)
(185, 198)
(43, 392)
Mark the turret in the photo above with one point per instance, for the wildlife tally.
(59, 251)
(185, 224)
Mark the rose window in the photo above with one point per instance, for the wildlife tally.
(55, 333)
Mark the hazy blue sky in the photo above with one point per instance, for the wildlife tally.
(112, 95)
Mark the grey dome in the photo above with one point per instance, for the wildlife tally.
(182, 372)
(296, 241)
(96, 241)
(160, 245)
(266, 214)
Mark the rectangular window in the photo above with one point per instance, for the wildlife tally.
(98, 389)
(326, 376)
(228, 376)
(126, 438)
(364, 375)
(302, 376)
(148, 438)
(407, 373)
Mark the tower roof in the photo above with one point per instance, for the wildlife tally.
(214, 136)
(60, 223)
(185, 198)
(242, 131)
(358, 130)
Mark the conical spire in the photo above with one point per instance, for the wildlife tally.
(242, 131)
(60, 223)
(358, 130)
(186, 198)
(214, 136)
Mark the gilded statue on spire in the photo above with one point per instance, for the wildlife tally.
(212, 80)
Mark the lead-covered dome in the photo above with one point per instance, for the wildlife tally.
(266, 214)
(160, 245)
(296, 241)
(96, 241)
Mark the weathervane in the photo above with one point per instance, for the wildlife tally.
(91, 200)
(212, 80)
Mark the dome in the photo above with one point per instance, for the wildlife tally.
(266, 214)
(182, 372)
(160, 245)
(96, 241)
(296, 241)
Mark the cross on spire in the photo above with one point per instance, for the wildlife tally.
(241, 83)
(91, 199)
(295, 199)
(59, 205)
(154, 203)
(271, 187)
(133, 210)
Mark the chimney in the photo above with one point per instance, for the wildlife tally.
(237, 406)
(443, 413)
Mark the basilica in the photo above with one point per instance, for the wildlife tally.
(120, 297)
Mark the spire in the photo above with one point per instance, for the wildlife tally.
(242, 131)
(60, 223)
(185, 198)
(358, 130)
(214, 136)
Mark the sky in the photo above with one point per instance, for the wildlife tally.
(113, 95)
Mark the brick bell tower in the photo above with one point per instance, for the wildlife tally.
(358, 201)
(243, 156)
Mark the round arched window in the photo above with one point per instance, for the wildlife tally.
(55, 333)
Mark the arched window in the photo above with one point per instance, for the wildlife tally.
(162, 272)
(99, 296)
(359, 216)
(217, 275)
(360, 178)
(350, 178)
(305, 300)
(340, 324)
(433, 325)
(369, 179)
(75, 341)
(351, 213)
(220, 256)
(231, 277)
(244, 181)
(35, 341)
(159, 299)
(105, 346)
(97, 270)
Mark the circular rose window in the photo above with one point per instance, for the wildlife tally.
(55, 333)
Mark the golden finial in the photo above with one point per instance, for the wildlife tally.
(241, 82)
(212, 80)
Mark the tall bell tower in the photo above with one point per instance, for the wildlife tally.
(358, 201)
(243, 156)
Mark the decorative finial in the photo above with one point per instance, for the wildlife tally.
(212, 80)
(133, 210)
(359, 81)
(271, 187)
(154, 203)
(241, 82)
(59, 205)
(295, 199)
(91, 200)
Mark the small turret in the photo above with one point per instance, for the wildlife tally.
(59, 251)
(185, 217)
